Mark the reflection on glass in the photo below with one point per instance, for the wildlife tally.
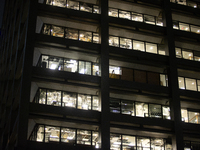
(42, 99)
(157, 144)
(138, 45)
(47, 29)
(187, 55)
(178, 53)
(54, 97)
(184, 26)
(181, 83)
(86, 7)
(127, 107)
(155, 111)
(166, 112)
(124, 14)
(161, 52)
(85, 36)
(194, 117)
(69, 99)
(151, 48)
(143, 143)
(95, 139)
(73, 5)
(137, 17)
(68, 135)
(115, 142)
(113, 12)
(84, 137)
(128, 142)
(184, 115)
(125, 43)
(57, 31)
(195, 29)
(149, 19)
(190, 84)
(175, 25)
(71, 34)
(114, 105)
(52, 134)
(85, 67)
(70, 65)
(141, 109)
(84, 102)
(40, 133)
(114, 41)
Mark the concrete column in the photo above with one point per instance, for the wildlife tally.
(177, 140)
(105, 110)
(26, 77)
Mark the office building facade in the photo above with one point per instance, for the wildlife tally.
(100, 74)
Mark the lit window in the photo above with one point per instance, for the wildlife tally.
(151, 48)
(138, 45)
(125, 43)
(181, 82)
(184, 115)
(124, 14)
(137, 17)
(187, 54)
(184, 26)
(191, 84)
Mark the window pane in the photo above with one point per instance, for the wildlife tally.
(81, 67)
(85, 36)
(40, 133)
(71, 34)
(127, 107)
(86, 7)
(187, 55)
(196, 55)
(163, 80)
(42, 99)
(159, 21)
(70, 65)
(143, 143)
(59, 3)
(184, 115)
(95, 139)
(128, 142)
(181, 83)
(175, 25)
(198, 85)
(149, 19)
(137, 45)
(88, 68)
(155, 111)
(194, 117)
(157, 144)
(84, 102)
(125, 43)
(68, 135)
(166, 112)
(114, 41)
(151, 48)
(95, 38)
(195, 29)
(96, 9)
(55, 63)
(190, 84)
(54, 97)
(124, 14)
(57, 31)
(182, 2)
(44, 61)
(137, 17)
(141, 109)
(161, 52)
(95, 103)
(84, 137)
(95, 69)
(115, 141)
(52, 134)
(184, 27)
(47, 29)
(69, 99)
(113, 12)
(114, 72)
(153, 78)
(73, 5)
(178, 53)
(114, 106)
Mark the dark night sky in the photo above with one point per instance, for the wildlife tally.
(1, 10)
